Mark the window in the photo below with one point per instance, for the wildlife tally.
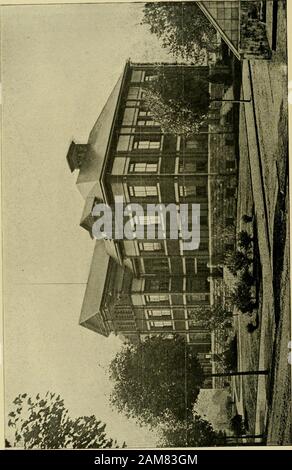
(147, 219)
(229, 140)
(230, 192)
(143, 191)
(156, 285)
(201, 191)
(197, 297)
(200, 337)
(201, 166)
(190, 190)
(150, 246)
(144, 112)
(143, 167)
(203, 220)
(137, 76)
(147, 122)
(185, 191)
(133, 93)
(203, 245)
(156, 265)
(147, 144)
(157, 298)
(159, 313)
(230, 164)
(150, 78)
(187, 166)
(192, 144)
(124, 143)
(129, 117)
(191, 166)
(161, 323)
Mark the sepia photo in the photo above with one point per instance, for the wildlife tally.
(145, 213)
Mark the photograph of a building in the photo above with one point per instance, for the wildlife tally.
(149, 287)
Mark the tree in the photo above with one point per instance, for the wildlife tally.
(155, 378)
(192, 432)
(182, 28)
(179, 101)
(44, 423)
(211, 317)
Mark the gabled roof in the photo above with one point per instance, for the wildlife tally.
(88, 181)
(225, 17)
(91, 316)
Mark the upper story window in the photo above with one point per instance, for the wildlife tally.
(137, 76)
(150, 78)
(159, 313)
(157, 285)
(130, 117)
(143, 167)
(197, 297)
(155, 298)
(191, 166)
(145, 112)
(147, 122)
(147, 219)
(150, 246)
(192, 190)
(148, 144)
(143, 191)
(161, 323)
(156, 265)
(230, 164)
(192, 144)
(124, 143)
(134, 93)
(187, 190)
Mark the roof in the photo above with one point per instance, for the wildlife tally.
(69, 156)
(91, 316)
(88, 181)
(226, 20)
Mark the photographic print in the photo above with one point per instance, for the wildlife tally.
(145, 211)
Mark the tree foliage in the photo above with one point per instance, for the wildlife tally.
(155, 378)
(178, 101)
(211, 317)
(244, 240)
(193, 432)
(182, 29)
(44, 423)
(236, 261)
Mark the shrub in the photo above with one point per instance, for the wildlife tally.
(247, 278)
(230, 355)
(246, 218)
(241, 297)
(237, 261)
(237, 425)
(244, 239)
(251, 327)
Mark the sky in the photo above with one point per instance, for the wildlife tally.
(59, 65)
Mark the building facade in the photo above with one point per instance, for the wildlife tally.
(145, 286)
